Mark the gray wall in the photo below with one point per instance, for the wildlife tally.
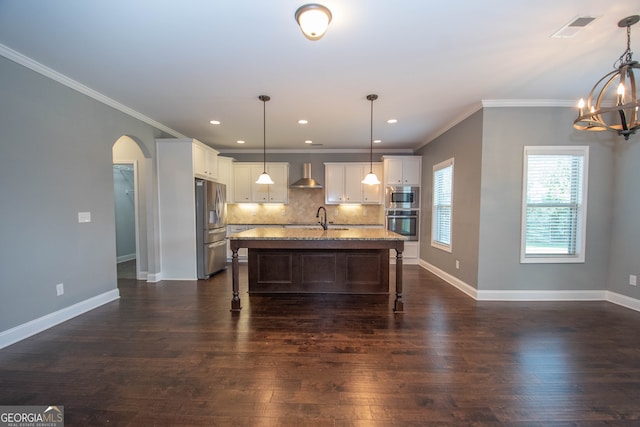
(505, 133)
(55, 161)
(464, 144)
(625, 240)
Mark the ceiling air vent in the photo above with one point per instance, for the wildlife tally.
(573, 27)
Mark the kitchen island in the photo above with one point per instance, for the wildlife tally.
(313, 260)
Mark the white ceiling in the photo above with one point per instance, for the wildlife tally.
(183, 63)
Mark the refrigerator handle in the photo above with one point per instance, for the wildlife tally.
(218, 200)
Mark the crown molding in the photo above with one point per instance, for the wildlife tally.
(458, 119)
(317, 151)
(497, 103)
(39, 68)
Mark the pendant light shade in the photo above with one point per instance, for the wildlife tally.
(314, 20)
(614, 100)
(371, 177)
(264, 177)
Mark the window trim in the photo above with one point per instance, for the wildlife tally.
(579, 257)
(434, 243)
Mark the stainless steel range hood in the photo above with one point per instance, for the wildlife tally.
(306, 181)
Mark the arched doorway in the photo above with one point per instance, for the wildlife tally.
(130, 167)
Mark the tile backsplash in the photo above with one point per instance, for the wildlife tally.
(302, 207)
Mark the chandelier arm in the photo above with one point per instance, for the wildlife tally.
(623, 120)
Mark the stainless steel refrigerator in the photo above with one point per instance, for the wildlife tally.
(211, 232)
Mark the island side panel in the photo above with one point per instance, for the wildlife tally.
(352, 271)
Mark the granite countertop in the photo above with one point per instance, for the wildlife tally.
(307, 224)
(317, 233)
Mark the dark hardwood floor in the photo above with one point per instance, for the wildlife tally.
(172, 354)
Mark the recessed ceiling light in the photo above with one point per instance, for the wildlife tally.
(377, 141)
(215, 122)
(240, 141)
(302, 122)
(308, 141)
(392, 121)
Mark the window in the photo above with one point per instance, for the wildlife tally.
(554, 204)
(442, 205)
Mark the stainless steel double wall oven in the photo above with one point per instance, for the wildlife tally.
(402, 210)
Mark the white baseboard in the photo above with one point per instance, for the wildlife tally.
(540, 295)
(623, 300)
(532, 295)
(406, 261)
(154, 277)
(452, 280)
(20, 332)
(125, 258)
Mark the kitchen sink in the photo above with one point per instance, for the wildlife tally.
(320, 228)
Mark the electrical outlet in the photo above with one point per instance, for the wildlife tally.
(457, 265)
(59, 289)
(632, 279)
(84, 217)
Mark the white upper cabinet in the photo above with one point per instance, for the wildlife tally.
(403, 170)
(343, 183)
(205, 161)
(246, 190)
(225, 175)
(373, 193)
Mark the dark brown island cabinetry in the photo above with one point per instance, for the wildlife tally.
(343, 261)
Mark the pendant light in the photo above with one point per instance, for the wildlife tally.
(264, 177)
(614, 101)
(371, 177)
(314, 20)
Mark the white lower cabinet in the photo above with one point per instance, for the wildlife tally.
(410, 255)
(237, 228)
(242, 252)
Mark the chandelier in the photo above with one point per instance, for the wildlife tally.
(613, 102)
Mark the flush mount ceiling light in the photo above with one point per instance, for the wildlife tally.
(371, 177)
(613, 102)
(313, 19)
(264, 177)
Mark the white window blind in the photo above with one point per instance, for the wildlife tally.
(442, 205)
(554, 204)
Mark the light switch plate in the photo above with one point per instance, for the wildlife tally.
(84, 217)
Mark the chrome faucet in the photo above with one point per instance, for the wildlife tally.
(323, 220)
